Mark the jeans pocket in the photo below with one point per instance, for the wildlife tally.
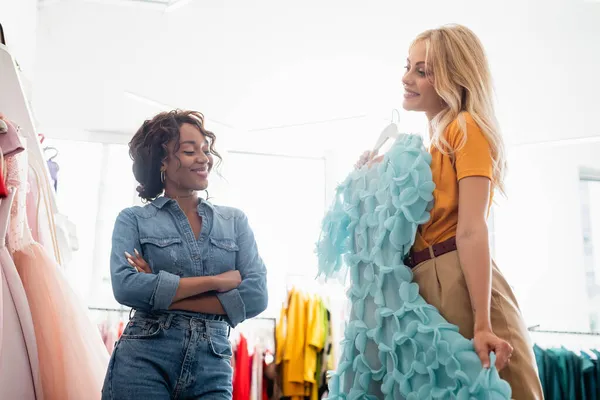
(142, 330)
(220, 346)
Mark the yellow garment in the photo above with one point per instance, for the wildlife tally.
(280, 336)
(301, 333)
(293, 349)
(331, 360)
(314, 344)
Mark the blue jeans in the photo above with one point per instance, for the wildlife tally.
(164, 356)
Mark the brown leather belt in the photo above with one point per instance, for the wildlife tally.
(439, 249)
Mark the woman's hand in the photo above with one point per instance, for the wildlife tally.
(138, 262)
(228, 281)
(368, 157)
(486, 341)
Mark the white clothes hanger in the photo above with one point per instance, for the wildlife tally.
(389, 132)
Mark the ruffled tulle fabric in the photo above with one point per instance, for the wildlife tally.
(395, 345)
(19, 367)
(72, 357)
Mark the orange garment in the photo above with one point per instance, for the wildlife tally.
(473, 158)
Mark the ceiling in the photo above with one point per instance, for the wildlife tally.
(304, 74)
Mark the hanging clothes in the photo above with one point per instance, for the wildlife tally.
(10, 144)
(72, 357)
(568, 375)
(19, 368)
(302, 333)
(242, 371)
(53, 168)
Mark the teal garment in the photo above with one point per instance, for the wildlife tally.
(597, 372)
(577, 375)
(567, 375)
(589, 377)
(558, 389)
(548, 362)
(395, 346)
(542, 371)
(597, 368)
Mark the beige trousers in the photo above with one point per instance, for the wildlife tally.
(442, 284)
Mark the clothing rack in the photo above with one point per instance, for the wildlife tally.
(119, 310)
(535, 329)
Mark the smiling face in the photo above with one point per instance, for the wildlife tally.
(418, 80)
(189, 162)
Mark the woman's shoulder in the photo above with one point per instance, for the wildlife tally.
(464, 120)
(144, 211)
(461, 128)
(228, 212)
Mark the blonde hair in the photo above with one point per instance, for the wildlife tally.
(462, 78)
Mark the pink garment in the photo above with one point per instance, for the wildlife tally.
(19, 368)
(72, 357)
(37, 215)
(32, 209)
(10, 142)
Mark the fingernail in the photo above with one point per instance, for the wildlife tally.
(136, 252)
(127, 255)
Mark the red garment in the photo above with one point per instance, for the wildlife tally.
(3, 190)
(265, 383)
(120, 329)
(242, 375)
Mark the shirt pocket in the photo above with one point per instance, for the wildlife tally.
(222, 255)
(164, 254)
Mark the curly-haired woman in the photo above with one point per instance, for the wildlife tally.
(189, 268)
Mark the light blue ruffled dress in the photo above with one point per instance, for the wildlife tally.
(395, 345)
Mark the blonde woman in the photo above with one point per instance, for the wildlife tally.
(447, 77)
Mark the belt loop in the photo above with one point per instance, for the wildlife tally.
(132, 311)
(431, 252)
(167, 321)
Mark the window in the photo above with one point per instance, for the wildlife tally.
(589, 188)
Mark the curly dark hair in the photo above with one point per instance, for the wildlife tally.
(148, 147)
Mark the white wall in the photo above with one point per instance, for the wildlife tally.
(539, 239)
(19, 20)
(266, 64)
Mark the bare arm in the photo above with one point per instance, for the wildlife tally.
(193, 286)
(206, 303)
(473, 246)
(472, 242)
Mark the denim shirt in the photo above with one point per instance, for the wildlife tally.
(160, 231)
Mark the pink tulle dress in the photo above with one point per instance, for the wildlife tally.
(72, 357)
(19, 368)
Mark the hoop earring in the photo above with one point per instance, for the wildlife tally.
(162, 176)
